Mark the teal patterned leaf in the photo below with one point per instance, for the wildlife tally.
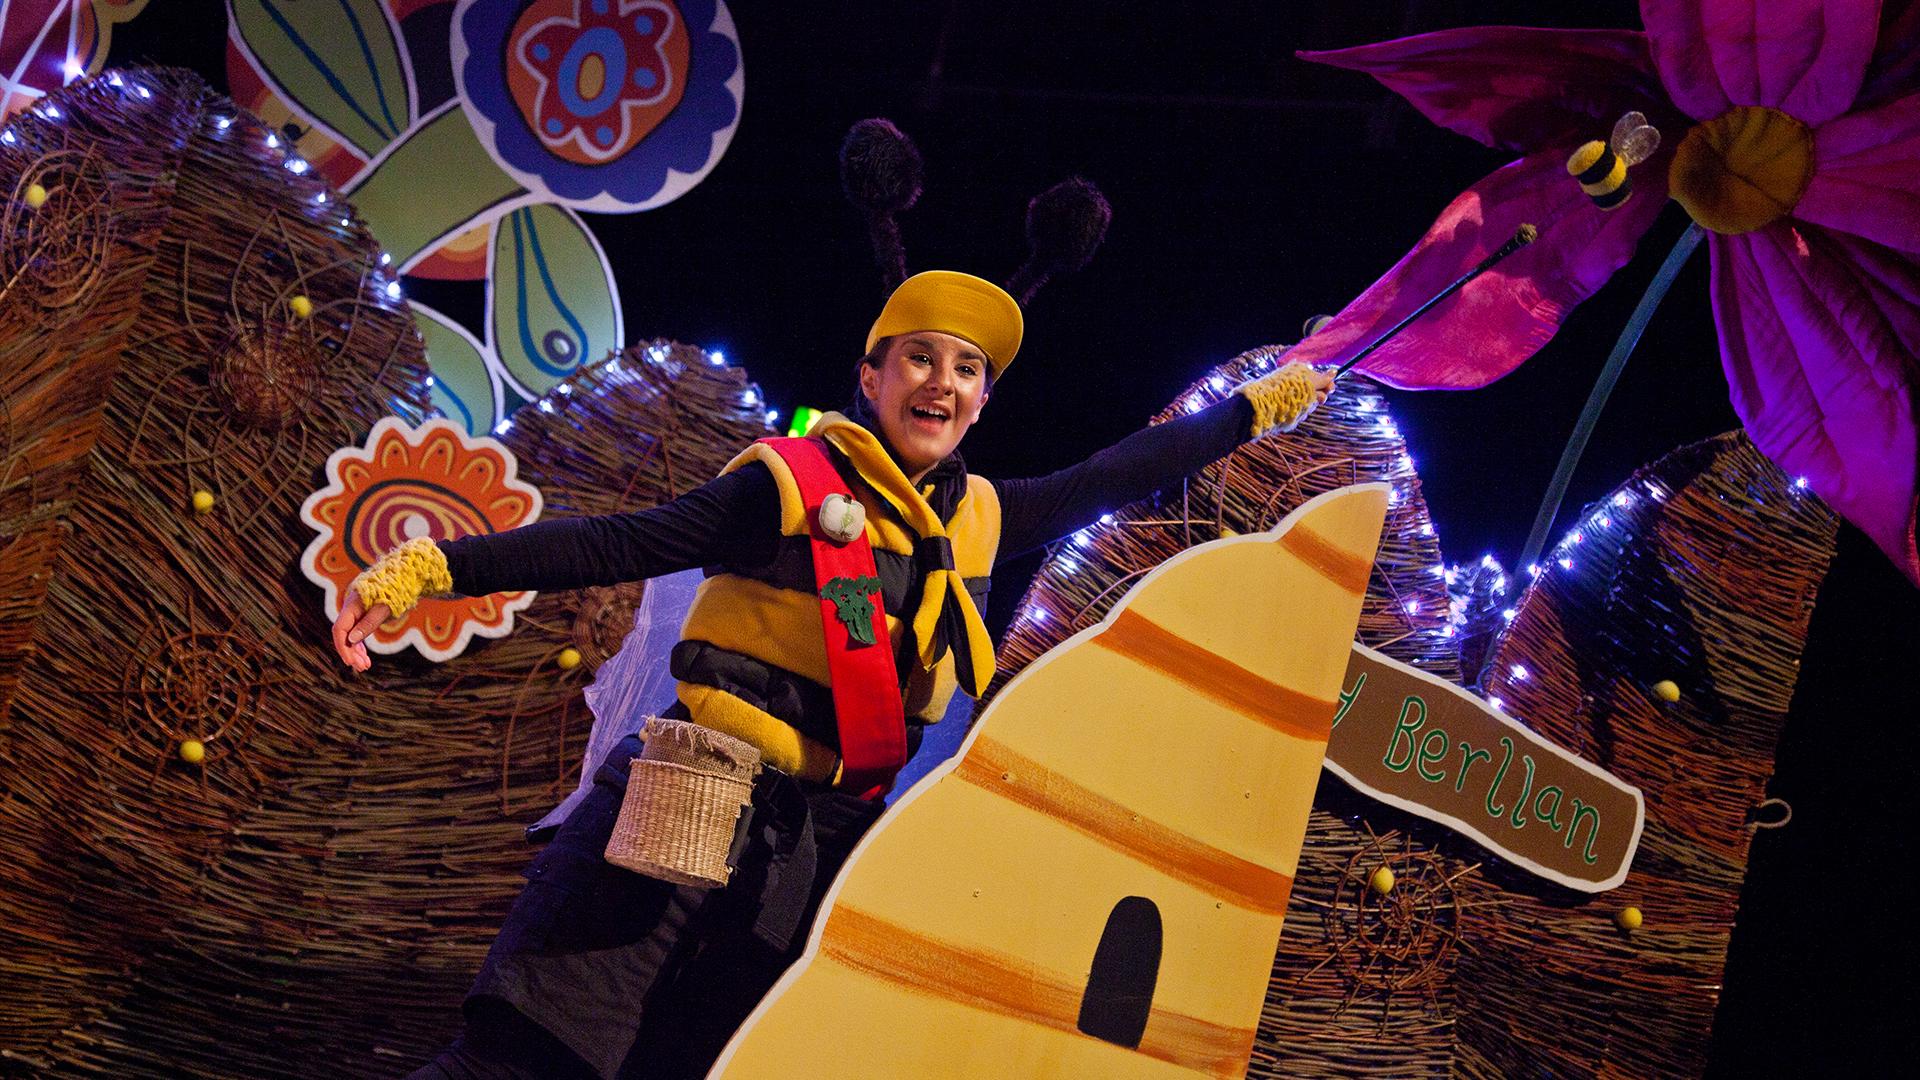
(341, 63)
(551, 302)
(465, 388)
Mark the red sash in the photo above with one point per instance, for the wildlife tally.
(866, 688)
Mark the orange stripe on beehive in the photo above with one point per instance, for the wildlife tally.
(1004, 771)
(1014, 987)
(1282, 708)
(1344, 568)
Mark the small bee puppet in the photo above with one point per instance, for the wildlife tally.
(1601, 167)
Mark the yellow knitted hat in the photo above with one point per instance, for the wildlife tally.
(949, 302)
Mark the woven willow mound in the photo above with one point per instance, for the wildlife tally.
(323, 886)
(1702, 569)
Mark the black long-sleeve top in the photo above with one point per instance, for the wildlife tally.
(735, 519)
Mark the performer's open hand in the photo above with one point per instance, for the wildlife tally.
(350, 630)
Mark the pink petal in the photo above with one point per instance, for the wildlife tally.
(1803, 57)
(1504, 315)
(1866, 178)
(1816, 334)
(1511, 86)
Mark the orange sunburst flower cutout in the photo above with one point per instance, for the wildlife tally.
(434, 480)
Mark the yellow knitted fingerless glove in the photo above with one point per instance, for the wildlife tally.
(402, 576)
(1280, 400)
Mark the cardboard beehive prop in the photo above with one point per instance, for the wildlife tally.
(1094, 887)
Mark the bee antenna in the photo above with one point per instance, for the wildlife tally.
(1065, 225)
(880, 171)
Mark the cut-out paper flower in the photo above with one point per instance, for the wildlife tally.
(1793, 135)
(434, 480)
(606, 104)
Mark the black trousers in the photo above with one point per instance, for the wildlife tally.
(601, 972)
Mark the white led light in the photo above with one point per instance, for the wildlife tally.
(773, 416)
(1578, 536)
(716, 356)
(297, 166)
(1623, 500)
(8, 137)
(1565, 564)
(273, 141)
(1606, 522)
(321, 198)
(143, 91)
(1083, 538)
(1106, 519)
(1800, 483)
(74, 70)
(546, 406)
(1039, 615)
(1446, 631)
(113, 79)
(223, 123)
(1519, 672)
(1508, 614)
(750, 397)
(1533, 568)
(503, 427)
(53, 112)
(1486, 562)
(565, 389)
(393, 290)
(1217, 383)
(1496, 703)
(1500, 584)
(1412, 607)
(386, 259)
(429, 382)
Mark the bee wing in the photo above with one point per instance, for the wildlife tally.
(1634, 139)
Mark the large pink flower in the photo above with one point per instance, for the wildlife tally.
(1792, 130)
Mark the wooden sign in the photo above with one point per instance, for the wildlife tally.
(1431, 748)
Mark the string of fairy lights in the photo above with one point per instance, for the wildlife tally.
(1596, 520)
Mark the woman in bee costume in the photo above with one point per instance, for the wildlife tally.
(600, 971)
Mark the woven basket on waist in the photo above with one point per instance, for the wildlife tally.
(683, 801)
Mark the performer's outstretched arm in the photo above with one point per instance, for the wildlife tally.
(732, 518)
(1043, 509)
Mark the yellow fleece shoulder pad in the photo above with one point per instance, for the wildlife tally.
(793, 509)
(978, 528)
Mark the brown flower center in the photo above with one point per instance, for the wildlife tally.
(1742, 169)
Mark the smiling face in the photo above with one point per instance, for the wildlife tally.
(926, 392)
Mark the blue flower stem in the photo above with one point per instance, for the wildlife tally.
(443, 155)
(1603, 388)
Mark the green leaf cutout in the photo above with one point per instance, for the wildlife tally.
(464, 389)
(340, 64)
(551, 303)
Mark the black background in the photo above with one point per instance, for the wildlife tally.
(1251, 190)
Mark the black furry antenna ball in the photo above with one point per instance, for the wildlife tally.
(1066, 223)
(880, 168)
